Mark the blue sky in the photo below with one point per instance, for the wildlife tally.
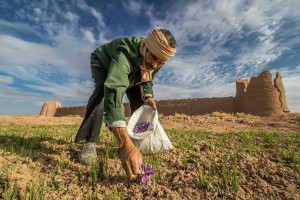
(45, 47)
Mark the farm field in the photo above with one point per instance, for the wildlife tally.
(217, 156)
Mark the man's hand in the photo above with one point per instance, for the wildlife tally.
(151, 102)
(129, 153)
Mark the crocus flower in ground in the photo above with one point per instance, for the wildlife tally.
(147, 173)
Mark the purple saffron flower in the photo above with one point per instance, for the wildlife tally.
(141, 127)
(147, 173)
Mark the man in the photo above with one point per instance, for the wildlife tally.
(125, 65)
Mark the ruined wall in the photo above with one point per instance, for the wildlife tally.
(209, 105)
(170, 107)
(260, 96)
(49, 108)
(196, 106)
(278, 84)
(73, 110)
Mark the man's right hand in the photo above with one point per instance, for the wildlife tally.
(129, 154)
(151, 102)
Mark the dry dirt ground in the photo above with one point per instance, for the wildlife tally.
(262, 174)
(219, 123)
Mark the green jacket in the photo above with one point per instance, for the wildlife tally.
(121, 58)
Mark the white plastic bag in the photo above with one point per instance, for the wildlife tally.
(153, 140)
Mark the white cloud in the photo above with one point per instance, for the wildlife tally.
(215, 23)
(16, 102)
(94, 12)
(70, 91)
(6, 79)
(20, 27)
(172, 92)
(72, 17)
(37, 11)
(208, 26)
(65, 56)
(40, 103)
(202, 29)
(30, 53)
(257, 57)
(11, 94)
(133, 6)
(89, 36)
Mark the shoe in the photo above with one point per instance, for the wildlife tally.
(88, 154)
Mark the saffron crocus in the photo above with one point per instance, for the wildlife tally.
(147, 173)
(141, 127)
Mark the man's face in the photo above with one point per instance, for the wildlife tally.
(152, 61)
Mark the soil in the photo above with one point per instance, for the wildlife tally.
(284, 123)
(265, 176)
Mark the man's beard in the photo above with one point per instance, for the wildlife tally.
(149, 66)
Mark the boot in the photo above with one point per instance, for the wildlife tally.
(88, 153)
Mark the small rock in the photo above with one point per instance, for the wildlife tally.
(204, 147)
(249, 167)
(43, 161)
(270, 179)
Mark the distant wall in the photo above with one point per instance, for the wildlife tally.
(74, 110)
(258, 97)
(209, 105)
(197, 106)
(170, 107)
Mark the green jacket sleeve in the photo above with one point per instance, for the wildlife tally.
(146, 87)
(115, 86)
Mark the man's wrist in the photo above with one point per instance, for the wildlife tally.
(119, 123)
(146, 96)
(122, 136)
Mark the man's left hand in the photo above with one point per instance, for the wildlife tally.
(151, 102)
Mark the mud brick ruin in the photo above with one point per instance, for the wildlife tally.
(259, 97)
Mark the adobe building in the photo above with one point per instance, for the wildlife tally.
(50, 109)
(260, 96)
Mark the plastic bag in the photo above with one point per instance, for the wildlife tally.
(154, 139)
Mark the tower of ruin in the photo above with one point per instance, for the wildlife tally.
(260, 96)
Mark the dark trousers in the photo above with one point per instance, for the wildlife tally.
(91, 125)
